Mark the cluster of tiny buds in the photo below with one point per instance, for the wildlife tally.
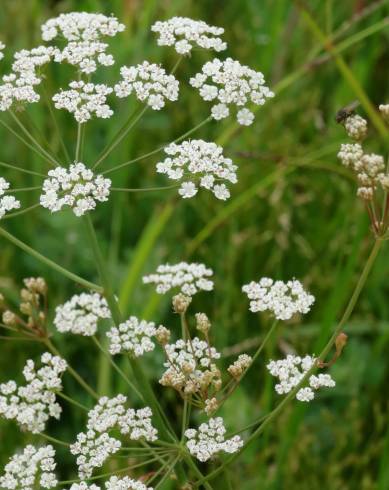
(181, 303)
(114, 483)
(240, 366)
(384, 110)
(190, 278)
(184, 33)
(81, 314)
(356, 127)
(200, 160)
(231, 84)
(162, 335)
(33, 404)
(76, 187)
(283, 300)
(203, 323)
(34, 466)
(7, 203)
(134, 336)
(369, 168)
(209, 439)
(31, 306)
(291, 371)
(150, 84)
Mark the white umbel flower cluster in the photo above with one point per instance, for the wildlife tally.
(369, 168)
(149, 82)
(133, 336)
(33, 404)
(7, 203)
(2, 48)
(281, 299)
(81, 314)
(291, 370)
(76, 187)
(201, 160)
(95, 445)
(83, 32)
(84, 100)
(184, 33)
(209, 439)
(189, 278)
(19, 85)
(114, 483)
(32, 467)
(190, 366)
(231, 84)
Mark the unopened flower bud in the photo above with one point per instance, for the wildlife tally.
(239, 366)
(26, 295)
(181, 303)
(356, 127)
(9, 318)
(202, 323)
(162, 335)
(36, 284)
(211, 405)
(25, 308)
(2, 300)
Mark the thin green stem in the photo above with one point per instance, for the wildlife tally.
(149, 154)
(20, 169)
(72, 371)
(22, 211)
(168, 472)
(56, 126)
(53, 439)
(72, 401)
(33, 140)
(48, 262)
(144, 189)
(192, 465)
(78, 142)
(22, 189)
(117, 368)
(130, 124)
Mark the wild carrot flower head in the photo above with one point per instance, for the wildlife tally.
(150, 84)
(231, 84)
(7, 203)
(76, 187)
(201, 161)
(34, 403)
(31, 468)
(290, 372)
(189, 278)
(184, 33)
(81, 314)
(283, 300)
(209, 439)
(133, 336)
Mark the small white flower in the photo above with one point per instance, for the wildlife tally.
(209, 439)
(34, 403)
(231, 84)
(133, 336)
(384, 110)
(149, 82)
(81, 314)
(356, 127)
(2, 47)
(188, 278)
(184, 33)
(282, 299)
(34, 466)
(76, 187)
(187, 190)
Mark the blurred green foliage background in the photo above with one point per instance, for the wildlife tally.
(293, 213)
